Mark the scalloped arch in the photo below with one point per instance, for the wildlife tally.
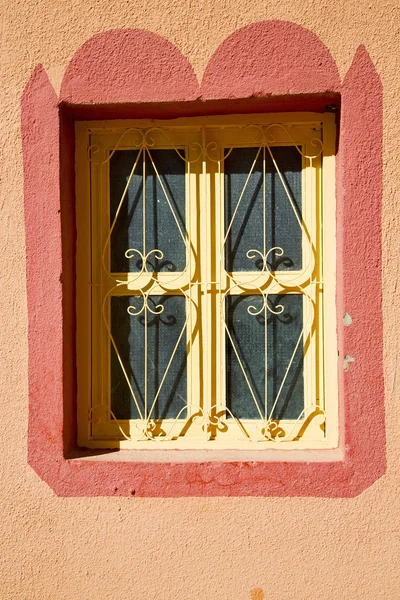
(128, 66)
(270, 58)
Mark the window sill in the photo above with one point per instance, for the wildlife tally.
(270, 455)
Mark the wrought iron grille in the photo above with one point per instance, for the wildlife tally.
(205, 308)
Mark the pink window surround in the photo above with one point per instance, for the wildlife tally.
(135, 73)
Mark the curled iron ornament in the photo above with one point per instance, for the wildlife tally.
(271, 429)
(146, 140)
(267, 138)
(253, 310)
(131, 252)
(137, 143)
(149, 142)
(135, 312)
(254, 253)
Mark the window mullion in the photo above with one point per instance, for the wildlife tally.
(221, 277)
(205, 295)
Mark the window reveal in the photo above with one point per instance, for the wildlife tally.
(206, 313)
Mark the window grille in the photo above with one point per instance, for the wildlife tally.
(205, 279)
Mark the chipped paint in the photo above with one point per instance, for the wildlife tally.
(347, 320)
(347, 361)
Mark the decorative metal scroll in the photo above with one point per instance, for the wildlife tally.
(261, 281)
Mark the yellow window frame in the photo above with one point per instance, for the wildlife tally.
(204, 282)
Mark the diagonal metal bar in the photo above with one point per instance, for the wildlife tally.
(305, 326)
(184, 237)
(117, 352)
(119, 209)
(240, 362)
(285, 187)
(241, 196)
(168, 366)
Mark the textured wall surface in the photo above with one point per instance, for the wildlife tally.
(191, 548)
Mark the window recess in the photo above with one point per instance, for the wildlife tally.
(205, 283)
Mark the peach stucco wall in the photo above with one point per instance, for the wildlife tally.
(188, 548)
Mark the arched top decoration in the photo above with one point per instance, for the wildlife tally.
(270, 58)
(128, 66)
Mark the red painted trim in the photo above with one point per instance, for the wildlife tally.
(93, 77)
(270, 58)
(40, 144)
(128, 66)
(359, 257)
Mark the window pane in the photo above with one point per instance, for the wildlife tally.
(163, 331)
(248, 335)
(162, 232)
(281, 225)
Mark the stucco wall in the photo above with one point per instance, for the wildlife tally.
(189, 548)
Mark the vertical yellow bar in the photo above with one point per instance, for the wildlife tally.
(329, 342)
(144, 266)
(205, 269)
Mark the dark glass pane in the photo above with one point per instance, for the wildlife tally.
(248, 333)
(162, 232)
(163, 331)
(282, 227)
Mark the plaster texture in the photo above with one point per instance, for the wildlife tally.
(71, 548)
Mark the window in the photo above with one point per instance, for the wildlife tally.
(206, 282)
